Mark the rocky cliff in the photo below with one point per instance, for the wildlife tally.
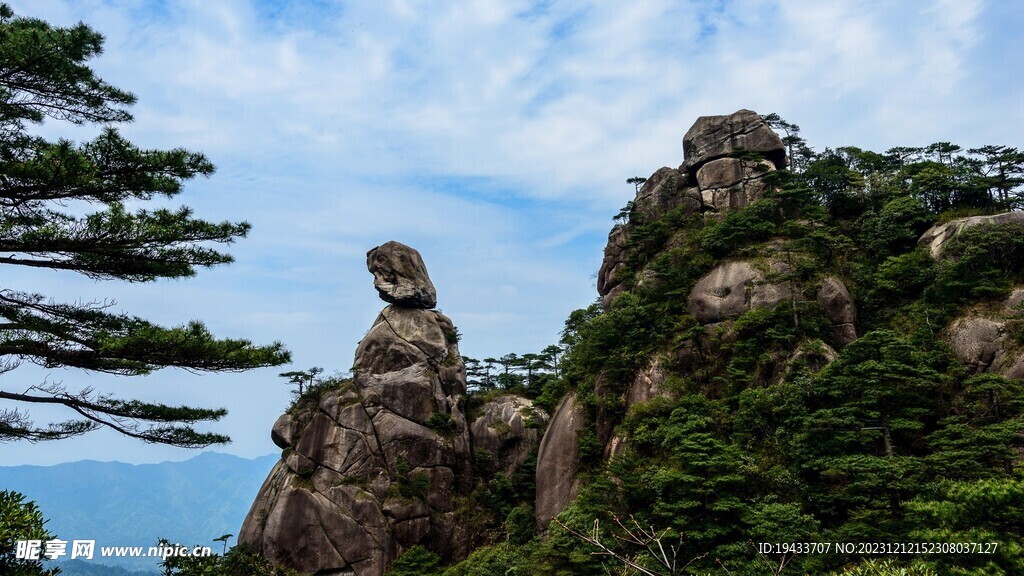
(374, 466)
(726, 163)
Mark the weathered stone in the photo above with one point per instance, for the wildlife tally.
(647, 384)
(1014, 304)
(663, 191)
(976, 342)
(735, 197)
(733, 288)
(281, 433)
(400, 276)
(838, 307)
(983, 338)
(558, 461)
(714, 137)
(726, 172)
(723, 292)
(812, 356)
(414, 392)
(288, 506)
(936, 237)
(509, 429)
(615, 446)
(404, 337)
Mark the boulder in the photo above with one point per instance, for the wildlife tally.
(838, 307)
(936, 237)
(729, 184)
(714, 137)
(400, 276)
(509, 428)
(983, 338)
(299, 528)
(733, 288)
(734, 197)
(811, 355)
(282, 432)
(558, 461)
(976, 342)
(726, 172)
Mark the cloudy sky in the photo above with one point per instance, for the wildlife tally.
(493, 136)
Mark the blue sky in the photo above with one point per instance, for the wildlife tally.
(493, 136)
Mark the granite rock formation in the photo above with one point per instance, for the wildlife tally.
(714, 137)
(710, 181)
(717, 176)
(373, 466)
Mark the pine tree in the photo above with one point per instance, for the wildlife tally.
(70, 207)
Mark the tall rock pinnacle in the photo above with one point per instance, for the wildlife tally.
(375, 464)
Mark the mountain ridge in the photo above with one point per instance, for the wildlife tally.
(122, 504)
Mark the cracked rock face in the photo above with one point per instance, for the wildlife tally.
(400, 276)
(373, 467)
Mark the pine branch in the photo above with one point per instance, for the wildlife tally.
(126, 417)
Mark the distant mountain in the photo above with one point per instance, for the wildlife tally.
(93, 568)
(116, 504)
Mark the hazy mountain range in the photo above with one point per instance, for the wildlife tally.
(118, 504)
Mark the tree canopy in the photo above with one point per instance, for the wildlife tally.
(72, 207)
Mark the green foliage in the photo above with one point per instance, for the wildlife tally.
(754, 223)
(410, 484)
(760, 434)
(416, 561)
(520, 525)
(501, 560)
(441, 422)
(980, 263)
(887, 568)
(980, 511)
(903, 277)
(895, 227)
(20, 520)
(311, 395)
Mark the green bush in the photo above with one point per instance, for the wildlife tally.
(20, 520)
(416, 561)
